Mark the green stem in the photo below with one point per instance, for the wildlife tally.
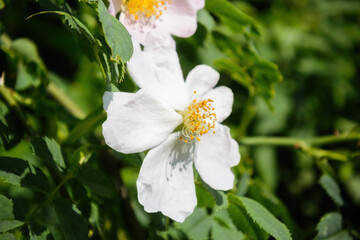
(64, 100)
(7, 95)
(49, 196)
(306, 145)
(293, 142)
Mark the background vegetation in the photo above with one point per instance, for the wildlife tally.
(293, 67)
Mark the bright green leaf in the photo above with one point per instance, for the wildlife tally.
(206, 19)
(244, 223)
(50, 151)
(227, 10)
(27, 50)
(96, 181)
(116, 35)
(262, 217)
(73, 224)
(332, 189)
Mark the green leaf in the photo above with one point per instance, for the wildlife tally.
(197, 226)
(203, 197)
(243, 184)
(7, 236)
(244, 223)
(50, 151)
(92, 121)
(6, 208)
(72, 222)
(73, 22)
(38, 232)
(25, 78)
(224, 8)
(262, 217)
(266, 165)
(7, 221)
(6, 225)
(116, 35)
(96, 181)
(27, 50)
(223, 228)
(21, 173)
(330, 227)
(2, 4)
(332, 189)
(218, 196)
(206, 19)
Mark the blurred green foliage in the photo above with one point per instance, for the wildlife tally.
(294, 68)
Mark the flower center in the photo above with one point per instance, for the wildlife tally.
(140, 9)
(199, 119)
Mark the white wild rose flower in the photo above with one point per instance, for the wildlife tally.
(179, 121)
(176, 17)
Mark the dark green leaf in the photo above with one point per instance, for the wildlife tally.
(72, 222)
(332, 189)
(262, 217)
(50, 151)
(96, 181)
(197, 226)
(73, 22)
(21, 173)
(38, 232)
(116, 35)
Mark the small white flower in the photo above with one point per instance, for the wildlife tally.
(177, 17)
(147, 119)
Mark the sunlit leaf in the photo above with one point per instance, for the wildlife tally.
(262, 217)
(116, 35)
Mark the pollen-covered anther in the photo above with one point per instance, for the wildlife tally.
(145, 9)
(199, 119)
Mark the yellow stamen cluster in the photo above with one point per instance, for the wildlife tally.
(145, 8)
(199, 119)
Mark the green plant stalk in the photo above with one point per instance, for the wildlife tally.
(64, 100)
(297, 142)
(7, 95)
(49, 196)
